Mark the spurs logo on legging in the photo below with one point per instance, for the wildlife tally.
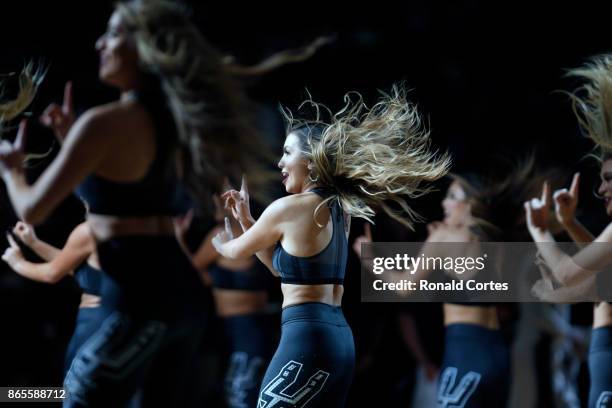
(94, 362)
(241, 377)
(456, 396)
(604, 400)
(281, 392)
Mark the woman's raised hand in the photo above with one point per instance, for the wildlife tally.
(537, 211)
(566, 201)
(60, 118)
(238, 202)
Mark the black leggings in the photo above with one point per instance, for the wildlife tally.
(89, 319)
(314, 363)
(250, 341)
(475, 369)
(125, 356)
(600, 368)
(159, 308)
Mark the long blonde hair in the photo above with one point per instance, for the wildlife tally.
(213, 119)
(368, 158)
(592, 102)
(30, 78)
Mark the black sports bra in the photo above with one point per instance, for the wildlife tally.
(328, 266)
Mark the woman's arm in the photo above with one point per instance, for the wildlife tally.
(86, 146)
(239, 203)
(566, 202)
(584, 290)
(264, 255)
(206, 253)
(258, 237)
(27, 235)
(46, 251)
(565, 269)
(578, 233)
(76, 251)
(568, 270)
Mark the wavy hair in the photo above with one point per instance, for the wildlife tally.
(592, 103)
(370, 158)
(30, 78)
(496, 200)
(212, 116)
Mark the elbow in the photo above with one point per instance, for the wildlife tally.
(235, 253)
(564, 276)
(231, 254)
(570, 274)
(52, 280)
(565, 279)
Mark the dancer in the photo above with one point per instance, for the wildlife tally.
(240, 291)
(78, 259)
(579, 273)
(476, 209)
(471, 379)
(333, 172)
(180, 116)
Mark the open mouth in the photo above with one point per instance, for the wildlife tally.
(284, 177)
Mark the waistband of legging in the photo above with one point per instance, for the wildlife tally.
(313, 311)
(473, 331)
(85, 313)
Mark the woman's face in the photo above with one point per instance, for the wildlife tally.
(293, 165)
(605, 188)
(455, 205)
(118, 55)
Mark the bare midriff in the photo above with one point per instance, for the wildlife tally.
(105, 227)
(485, 316)
(89, 300)
(232, 302)
(330, 294)
(602, 315)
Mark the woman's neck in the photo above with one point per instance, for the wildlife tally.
(309, 187)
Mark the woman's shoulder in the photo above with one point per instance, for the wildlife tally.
(81, 236)
(295, 209)
(116, 113)
(286, 208)
(114, 121)
(299, 201)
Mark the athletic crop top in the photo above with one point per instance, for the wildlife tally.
(328, 266)
(89, 279)
(157, 193)
(252, 279)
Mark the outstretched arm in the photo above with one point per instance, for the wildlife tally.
(86, 146)
(206, 253)
(260, 236)
(567, 270)
(27, 235)
(79, 246)
(239, 203)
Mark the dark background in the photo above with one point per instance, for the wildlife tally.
(484, 74)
